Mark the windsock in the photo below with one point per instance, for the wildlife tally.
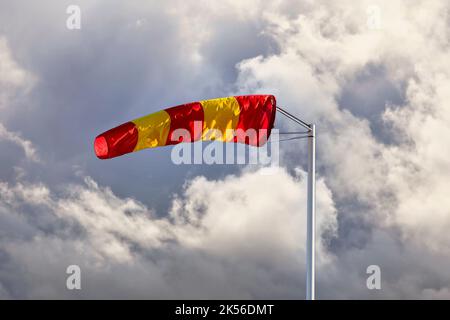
(243, 119)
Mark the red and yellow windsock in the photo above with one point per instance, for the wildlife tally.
(214, 119)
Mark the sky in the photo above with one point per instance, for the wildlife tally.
(372, 75)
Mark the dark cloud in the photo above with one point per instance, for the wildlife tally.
(380, 200)
(128, 60)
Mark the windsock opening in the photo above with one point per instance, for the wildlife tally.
(117, 141)
(101, 147)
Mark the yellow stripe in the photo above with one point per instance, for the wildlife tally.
(153, 130)
(220, 114)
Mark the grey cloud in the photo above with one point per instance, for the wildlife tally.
(125, 251)
(114, 70)
(379, 99)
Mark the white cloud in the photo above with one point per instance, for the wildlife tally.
(26, 145)
(321, 50)
(13, 81)
(400, 186)
(239, 220)
(241, 215)
(12, 76)
(379, 202)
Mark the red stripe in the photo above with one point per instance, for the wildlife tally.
(117, 141)
(258, 113)
(183, 117)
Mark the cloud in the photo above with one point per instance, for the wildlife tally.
(12, 76)
(397, 185)
(378, 97)
(221, 230)
(26, 145)
(110, 71)
(14, 82)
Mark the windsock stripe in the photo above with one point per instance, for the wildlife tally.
(221, 118)
(117, 141)
(257, 115)
(153, 130)
(185, 117)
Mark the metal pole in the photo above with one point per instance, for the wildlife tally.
(311, 215)
(293, 118)
(311, 208)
